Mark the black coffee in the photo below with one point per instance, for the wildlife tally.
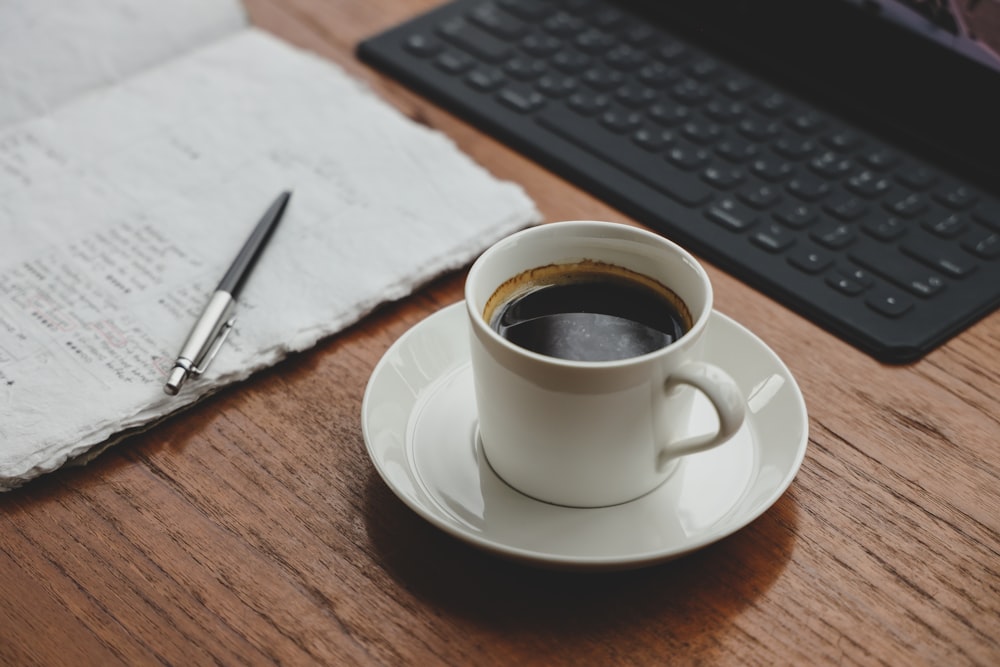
(587, 312)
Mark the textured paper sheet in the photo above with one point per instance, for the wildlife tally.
(120, 211)
(51, 51)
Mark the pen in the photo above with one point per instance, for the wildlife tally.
(216, 321)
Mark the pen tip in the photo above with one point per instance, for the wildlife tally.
(174, 382)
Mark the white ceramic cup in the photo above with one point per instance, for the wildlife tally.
(586, 433)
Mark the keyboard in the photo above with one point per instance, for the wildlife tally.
(889, 252)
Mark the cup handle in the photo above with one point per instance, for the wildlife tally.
(724, 395)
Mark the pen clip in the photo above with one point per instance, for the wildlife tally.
(202, 364)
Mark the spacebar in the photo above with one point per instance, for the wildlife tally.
(650, 168)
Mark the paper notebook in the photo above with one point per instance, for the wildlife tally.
(134, 165)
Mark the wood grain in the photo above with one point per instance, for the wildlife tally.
(253, 529)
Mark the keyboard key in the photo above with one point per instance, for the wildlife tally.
(844, 284)
(647, 167)
(521, 100)
(879, 158)
(524, 68)
(758, 129)
(701, 132)
(540, 44)
(773, 238)
(570, 62)
(690, 91)
(956, 196)
(810, 260)
(773, 104)
(857, 275)
(491, 18)
(485, 80)
(846, 208)
(688, 157)
(868, 184)
(556, 86)
(761, 196)
(842, 140)
(625, 58)
(563, 24)
(635, 96)
(807, 122)
(588, 103)
(943, 257)
(772, 168)
(889, 303)
(732, 215)
(831, 165)
(603, 79)
(422, 46)
(900, 270)
(884, 227)
(834, 236)
(653, 139)
(946, 226)
(983, 244)
(738, 87)
(594, 41)
(454, 63)
(725, 111)
(669, 114)
(795, 148)
(796, 216)
(917, 177)
(907, 205)
(808, 188)
(671, 52)
(736, 149)
(474, 41)
(704, 69)
(529, 10)
(723, 177)
(620, 121)
(657, 74)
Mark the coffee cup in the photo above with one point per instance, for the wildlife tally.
(587, 359)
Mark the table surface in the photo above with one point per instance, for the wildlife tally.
(254, 529)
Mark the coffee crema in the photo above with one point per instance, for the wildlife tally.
(587, 311)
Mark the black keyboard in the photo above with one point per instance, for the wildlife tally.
(877, 246)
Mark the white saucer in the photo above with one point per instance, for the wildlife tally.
(419, 423)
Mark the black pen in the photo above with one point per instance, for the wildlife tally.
(216, 321)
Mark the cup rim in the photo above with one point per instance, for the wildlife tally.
(682, 343)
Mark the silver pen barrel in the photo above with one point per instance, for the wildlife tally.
(203, 342)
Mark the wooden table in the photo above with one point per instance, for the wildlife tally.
(254, 529)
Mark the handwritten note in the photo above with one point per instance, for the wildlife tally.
(120, 211)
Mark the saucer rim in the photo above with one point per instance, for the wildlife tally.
(429, 512)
